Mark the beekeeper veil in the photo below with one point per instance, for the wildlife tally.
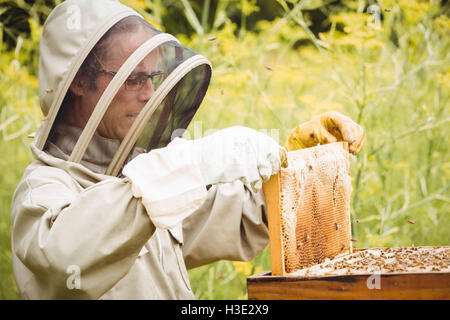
(112, 86)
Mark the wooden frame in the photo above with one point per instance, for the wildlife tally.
(272, 191)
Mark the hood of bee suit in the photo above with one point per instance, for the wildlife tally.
(139, 87)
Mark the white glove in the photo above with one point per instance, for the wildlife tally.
(236, 153)
(172, 181)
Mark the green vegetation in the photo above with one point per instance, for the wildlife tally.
(276, 65)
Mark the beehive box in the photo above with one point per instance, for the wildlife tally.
(383, 273)
(310, 239)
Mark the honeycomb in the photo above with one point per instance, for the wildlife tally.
(314, 204)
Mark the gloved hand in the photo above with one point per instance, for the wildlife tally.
(237, 153)
(172, 181)
(328, 127)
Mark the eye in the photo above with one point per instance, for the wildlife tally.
(157, 77)
(135, 81)
(156, 74)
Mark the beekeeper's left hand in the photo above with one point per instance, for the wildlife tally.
(328, 127)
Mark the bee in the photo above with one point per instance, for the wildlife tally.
(269, 68)
(388, 9)
(307, 238)
(212, 38)
(49, 90)
(410, 221)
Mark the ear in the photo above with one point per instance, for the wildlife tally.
(78, 85)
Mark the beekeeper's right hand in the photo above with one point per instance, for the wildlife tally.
(172, 181)
(236, 153)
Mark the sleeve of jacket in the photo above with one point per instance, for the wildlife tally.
(58, 226)
(230, 225)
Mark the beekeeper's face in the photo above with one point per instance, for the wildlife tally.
(133, 94)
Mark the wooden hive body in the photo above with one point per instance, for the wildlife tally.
(414, 273)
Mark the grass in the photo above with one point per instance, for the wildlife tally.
(394, 81)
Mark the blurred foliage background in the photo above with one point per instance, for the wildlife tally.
(276, 64)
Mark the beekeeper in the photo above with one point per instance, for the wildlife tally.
(117, 205)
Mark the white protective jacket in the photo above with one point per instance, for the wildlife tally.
(78, 232)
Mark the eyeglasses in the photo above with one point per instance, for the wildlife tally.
(136, 81)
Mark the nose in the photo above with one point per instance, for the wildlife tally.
(147, 91)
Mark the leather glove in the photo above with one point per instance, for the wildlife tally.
(328, 127)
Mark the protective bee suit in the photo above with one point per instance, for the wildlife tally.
(117, 205)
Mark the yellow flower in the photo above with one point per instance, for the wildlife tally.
(35, 30)
(329, 105)
(246, 268)
(308, 99)
(444, 79)
(414, 10)
(351, 20)
(248, 7)
(442, 25)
